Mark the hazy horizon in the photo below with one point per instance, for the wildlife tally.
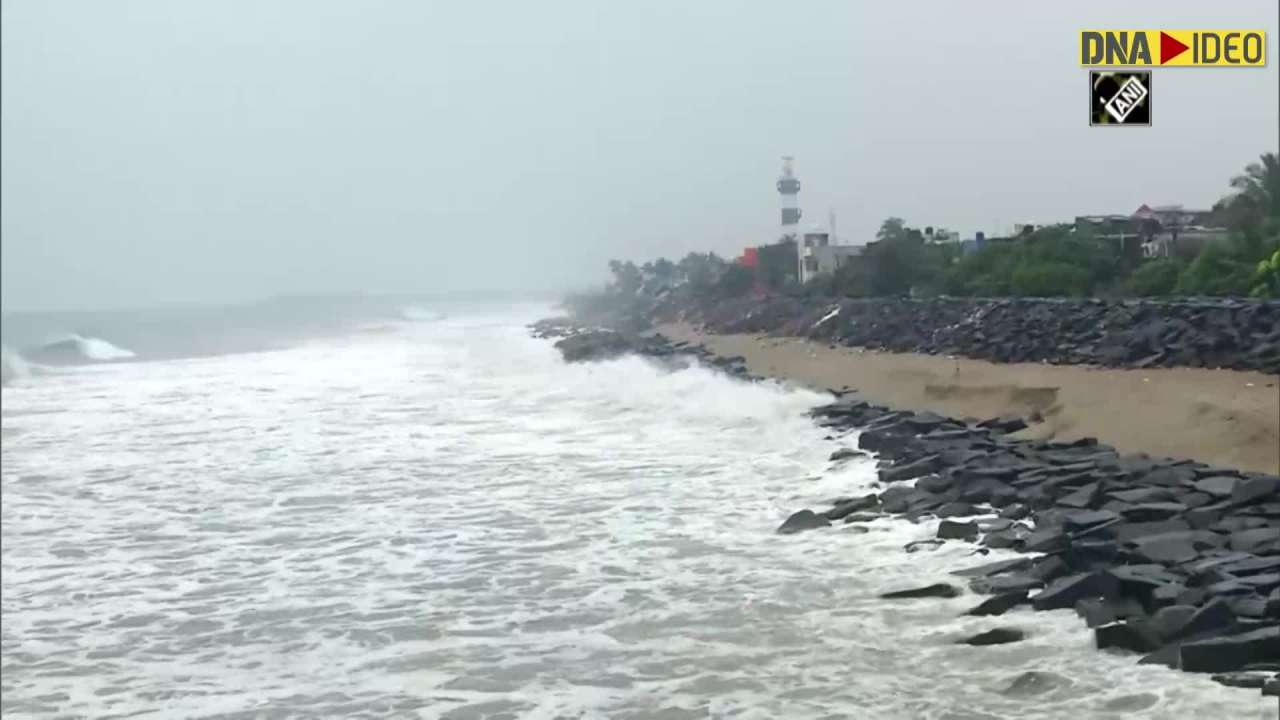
(208, 153)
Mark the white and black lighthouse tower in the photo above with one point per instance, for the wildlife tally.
(789, 189)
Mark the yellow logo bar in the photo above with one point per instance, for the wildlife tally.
(1173, 48)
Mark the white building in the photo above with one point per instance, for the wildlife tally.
(818, 256)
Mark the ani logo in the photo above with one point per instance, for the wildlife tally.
(1119, 98)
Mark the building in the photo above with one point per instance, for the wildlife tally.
(819, 256)
(1160, 231)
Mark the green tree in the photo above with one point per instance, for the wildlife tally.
(1049, 278)
(1155, 277)
(1257, 193)
(1216, 271)
(1266, 278)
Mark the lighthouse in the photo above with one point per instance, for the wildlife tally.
(789, 189)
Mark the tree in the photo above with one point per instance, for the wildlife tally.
(777, 264)
(1216, 271)
(1266, 278)
(1155, 277)
(626, 277)
(1257, 193)
(700, 271)
(735, 281)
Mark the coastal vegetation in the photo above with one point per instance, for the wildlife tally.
(1062, 260)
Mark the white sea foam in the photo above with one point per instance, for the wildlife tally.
(450, 522)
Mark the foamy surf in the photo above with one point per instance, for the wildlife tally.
(450, 522)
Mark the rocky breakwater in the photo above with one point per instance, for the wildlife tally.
(1235, 334)
(585, 344)
(1174, 560)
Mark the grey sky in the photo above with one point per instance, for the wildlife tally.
(160, 151)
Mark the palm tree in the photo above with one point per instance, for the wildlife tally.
(1257, 192)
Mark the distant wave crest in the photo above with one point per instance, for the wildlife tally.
(76, 349)
(417, 314)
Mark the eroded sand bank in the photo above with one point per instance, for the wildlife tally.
(1222, 417)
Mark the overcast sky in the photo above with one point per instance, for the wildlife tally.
(204, 151)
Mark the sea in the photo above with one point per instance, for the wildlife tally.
(354, 508)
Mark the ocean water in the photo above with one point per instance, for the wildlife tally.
(434, 517)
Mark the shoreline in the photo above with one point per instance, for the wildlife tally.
(1174, 560)
(1228, 418)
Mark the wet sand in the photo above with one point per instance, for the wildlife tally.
(1221, 417)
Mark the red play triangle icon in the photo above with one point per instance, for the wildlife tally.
(1170, 47)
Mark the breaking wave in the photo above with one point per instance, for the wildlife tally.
(76, 349)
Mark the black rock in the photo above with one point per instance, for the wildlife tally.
(1202, 517)
(1048, 540)
(1004, 424)
(1048, 568)
(1167, 621)
(1252, 565)
(1086, 497)
(934, 483)
(1015, 511)
(1000, 584)
(1103, 611)
(1151, 585)
(918, 545)
(1146, 512)
(1064, 592)
(848, 507)
(1221, 486)
(995, 525)
(937, 590)
(956, 509)
(1138, 496)
(1130, 531)
(1164, 549)
(1169, 656)
(1231, 652)
(801, 521)
(995, 568)
(860, 517)
(1214, 616)
(846, 454)
(919, 468)
(952, 530)
(1251, 680)
(997, 636)
(1255, 489)
(1136, 636)
(1255, 541)
(999, 604)
(1078, 520)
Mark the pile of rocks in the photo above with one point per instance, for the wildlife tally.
(578, 344)
(1173, 559)
(1237, 334)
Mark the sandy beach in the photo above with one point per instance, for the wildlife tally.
(1222, 417)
